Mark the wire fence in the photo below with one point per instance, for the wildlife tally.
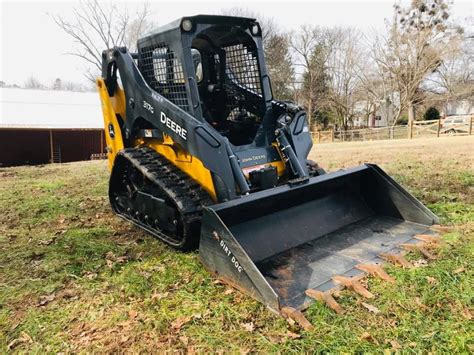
(417, 129)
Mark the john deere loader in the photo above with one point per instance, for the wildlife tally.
(202, 155)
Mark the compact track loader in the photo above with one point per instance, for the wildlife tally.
(201, 154)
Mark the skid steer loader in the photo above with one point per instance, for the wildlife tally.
(201, 155)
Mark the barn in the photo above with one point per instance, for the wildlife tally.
(44, 126)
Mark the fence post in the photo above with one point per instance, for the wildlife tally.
(470, 125)
(410, 129)
(319, 136)
(439, 127)
(332, 135)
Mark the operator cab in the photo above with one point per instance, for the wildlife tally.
(229, 83)
(227, 70)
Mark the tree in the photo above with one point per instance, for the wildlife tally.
(279, 66)
(98, 26)
(277, 53)
(431, 114)
(57, 85)
(343, 68)
(32, 83)
(418, 41)
(312, 46)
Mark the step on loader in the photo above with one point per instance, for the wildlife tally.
(202, 155)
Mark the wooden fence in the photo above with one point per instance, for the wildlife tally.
(417, 129)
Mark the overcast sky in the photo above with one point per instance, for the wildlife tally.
(32, 44)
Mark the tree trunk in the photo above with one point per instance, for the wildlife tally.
(309, 115)
(411, 112)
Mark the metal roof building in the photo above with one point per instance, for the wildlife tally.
(41, 126)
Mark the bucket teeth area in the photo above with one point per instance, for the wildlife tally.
(396, 259)
(376, 271)
(325, 297)
(420, 248)
(297, 316)
(429, 238)
(354, 285)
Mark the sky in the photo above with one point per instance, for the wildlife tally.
(31, 44)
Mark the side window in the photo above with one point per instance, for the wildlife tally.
(159, 64)
(166, 67)
(197, 64)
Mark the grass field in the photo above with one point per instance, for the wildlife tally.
(73, 277)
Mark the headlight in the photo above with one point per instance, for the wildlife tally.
(187, 25)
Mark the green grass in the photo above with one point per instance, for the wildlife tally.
(73, 277)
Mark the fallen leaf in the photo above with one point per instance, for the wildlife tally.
(228, 291)
(179, 322)
(69, 293)
(419, 303)
(466, 314)
(249, 327)
(91, 275)
(44, 300)
(420, 263)
(367, 336)
(159, 295)
(184, 340)
(218, 282)
(23, 338)
(412, 344)
(132, 314)
(46, 242)
(110, 263)
(121, 259)
(459, 270)
(371, 308)
(431, 280)
(395, 345)
(292, 335)
(197, 316)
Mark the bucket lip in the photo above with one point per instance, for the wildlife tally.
(283, 188)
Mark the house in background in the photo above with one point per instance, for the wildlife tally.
(459, 108)
(42, 126)
(366, 115)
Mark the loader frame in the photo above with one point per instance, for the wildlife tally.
(172, 116)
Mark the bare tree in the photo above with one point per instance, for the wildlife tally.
(33, 83)
(98, 26)
(312, 46)
(454, 78)
(277, 52)
(418, 41)
(268, 25)
(344, 62)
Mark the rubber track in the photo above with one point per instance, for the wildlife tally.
(187, 194)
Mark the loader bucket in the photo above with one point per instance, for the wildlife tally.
(278, 243)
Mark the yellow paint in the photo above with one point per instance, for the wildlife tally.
(110, 107)
(184, 161)
(192, 166)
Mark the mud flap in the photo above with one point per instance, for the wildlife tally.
(278, 243)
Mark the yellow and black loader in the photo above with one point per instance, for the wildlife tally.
(202, 155)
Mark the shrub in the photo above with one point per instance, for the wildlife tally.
(431, 114)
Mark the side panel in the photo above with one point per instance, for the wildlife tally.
(192, 166)
(111, 106)
(147, 109)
